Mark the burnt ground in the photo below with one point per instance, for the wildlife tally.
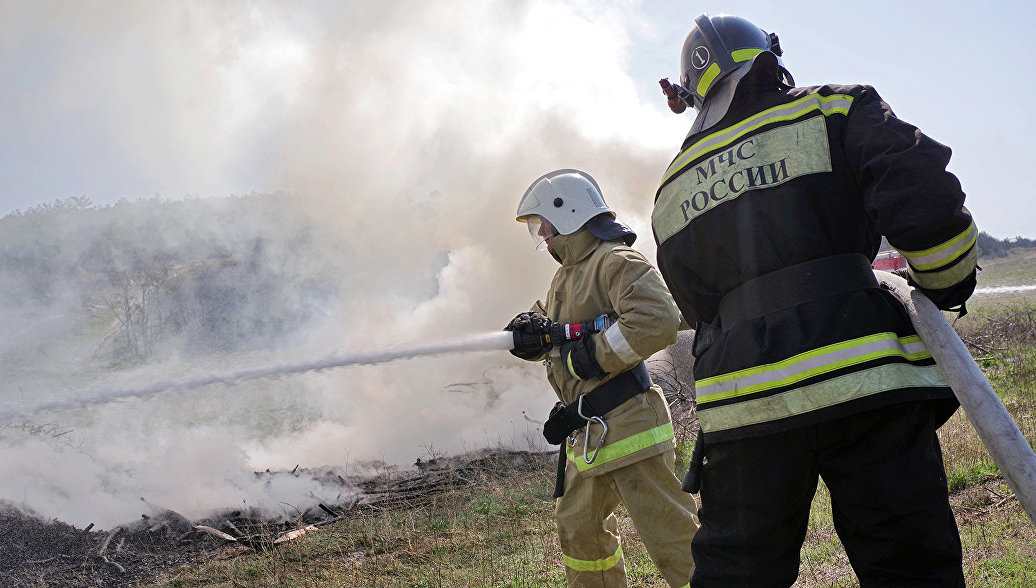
(37, 553)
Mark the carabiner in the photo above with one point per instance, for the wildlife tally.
(586, 434)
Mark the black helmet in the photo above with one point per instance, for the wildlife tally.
(719, 45)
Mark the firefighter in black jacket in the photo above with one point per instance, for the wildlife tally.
(766, 223)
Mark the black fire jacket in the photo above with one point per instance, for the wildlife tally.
(790, 176)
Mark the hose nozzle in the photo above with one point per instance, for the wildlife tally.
(561, 332)
(677, 96)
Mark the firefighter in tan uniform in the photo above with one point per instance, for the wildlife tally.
(613, 424)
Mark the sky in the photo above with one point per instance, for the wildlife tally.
(182, 99)
(408, 132)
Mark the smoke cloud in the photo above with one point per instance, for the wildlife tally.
(407, 133)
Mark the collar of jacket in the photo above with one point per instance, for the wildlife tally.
(576, 247)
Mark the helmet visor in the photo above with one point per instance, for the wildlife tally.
(541, 231)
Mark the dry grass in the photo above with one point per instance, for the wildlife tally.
(500, 534)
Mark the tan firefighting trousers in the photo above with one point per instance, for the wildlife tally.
(665, 517)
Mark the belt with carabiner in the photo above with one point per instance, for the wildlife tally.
(588, 410)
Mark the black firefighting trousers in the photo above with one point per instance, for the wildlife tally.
(888, 491)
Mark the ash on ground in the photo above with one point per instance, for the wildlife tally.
(38, 553)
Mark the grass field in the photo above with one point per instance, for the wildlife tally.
(502, 534)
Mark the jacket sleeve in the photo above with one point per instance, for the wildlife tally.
(647, 316)
(914, 201)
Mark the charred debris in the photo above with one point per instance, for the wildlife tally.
(36, 552)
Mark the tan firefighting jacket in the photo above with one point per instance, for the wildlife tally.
(595, 278)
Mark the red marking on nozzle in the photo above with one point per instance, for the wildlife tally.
(676, 103)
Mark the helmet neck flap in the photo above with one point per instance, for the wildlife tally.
(607, 228)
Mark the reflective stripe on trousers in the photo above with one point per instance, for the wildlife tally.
(599, 565)
(665, 518)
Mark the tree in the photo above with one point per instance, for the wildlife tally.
(136, 301)
(129, 281)
(989, 246)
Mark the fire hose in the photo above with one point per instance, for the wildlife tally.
(998, 431)
(496, 340)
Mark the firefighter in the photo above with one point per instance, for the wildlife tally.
(612, 423)
(766, 223)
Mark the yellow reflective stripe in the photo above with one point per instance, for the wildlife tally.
(744, 54)
(707, 78)
(714, 70)
(828, 105)
(943, 253)
(809, 364)
(599, 565)
(853, 386)
(949, 276)
(571, 369)
(622, 448)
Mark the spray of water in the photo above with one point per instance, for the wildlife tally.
(497, 340)
(1004, 289)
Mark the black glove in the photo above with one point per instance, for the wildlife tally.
(579, 358)
(531, 330)
(951, 299)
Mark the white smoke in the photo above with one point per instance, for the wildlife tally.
(408, 131)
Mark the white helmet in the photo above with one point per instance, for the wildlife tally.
(565, 198)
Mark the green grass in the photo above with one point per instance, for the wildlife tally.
(1016, 269)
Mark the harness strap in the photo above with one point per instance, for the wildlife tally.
(598, 402)
(559, 478)
(795, 285)
(786, 288)
(692, 479)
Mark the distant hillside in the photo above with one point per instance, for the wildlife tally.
(988, 246)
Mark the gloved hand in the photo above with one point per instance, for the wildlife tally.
(531, 329)
(579, 358)
(951, 299)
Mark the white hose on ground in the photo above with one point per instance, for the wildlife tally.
(1001, 436)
